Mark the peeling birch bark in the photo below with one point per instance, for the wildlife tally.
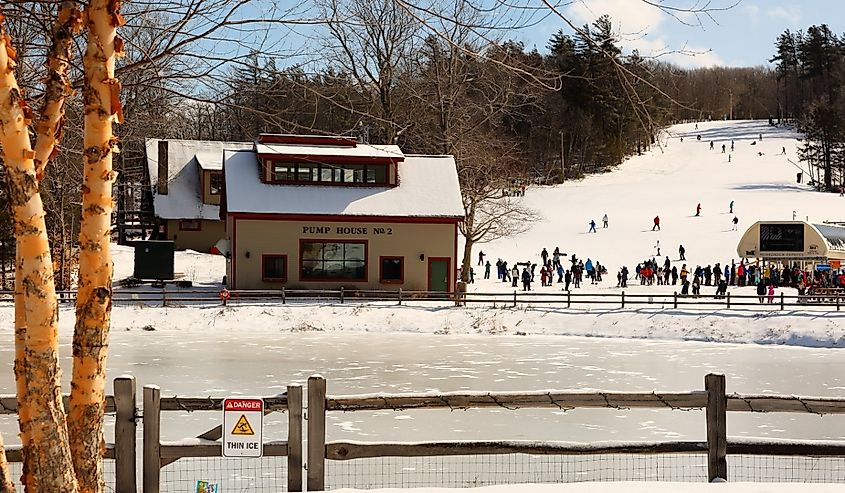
(49, 452)
(94, 299)
(48, 131)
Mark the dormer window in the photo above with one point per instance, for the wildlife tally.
(216, 183)
(328, 173)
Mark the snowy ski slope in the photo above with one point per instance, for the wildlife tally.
(670, 181)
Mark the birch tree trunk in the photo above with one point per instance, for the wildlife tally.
(7, 484)
(48, 128)
(27, 479)
(49, 453)
(94, 298)
(48, 134)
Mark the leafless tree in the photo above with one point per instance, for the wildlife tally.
(372, 40)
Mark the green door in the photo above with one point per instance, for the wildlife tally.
(438, 275)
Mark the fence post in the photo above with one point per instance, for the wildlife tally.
(284, 297)
(125, 437)
(316, 433)
(152, 438)
(568, 299)
(837, 301)
(294, 437)
(675, 300)
(623, 299)
(717, 429)
(341, 294)
(400, 296)
(781, 300)
(514, 298)
(728, 299)
(164, 296)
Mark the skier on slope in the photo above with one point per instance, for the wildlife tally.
(545, 255)
(735, 222)
(682, 251)
(698, 210)
(731, 207)
(604, 220)
(592, 226)
(656, 223)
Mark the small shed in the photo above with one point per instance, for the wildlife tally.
(795, 242)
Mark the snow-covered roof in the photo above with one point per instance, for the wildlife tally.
(428, 187)
(360, 150)
(185, 158)
(834, 235)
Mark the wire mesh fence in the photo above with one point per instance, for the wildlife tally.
(108, 473)
(481, 470)
(792, 469)
(233, 475)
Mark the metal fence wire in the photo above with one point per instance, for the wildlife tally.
(267, 474)
(482, 470)
(15, 469)
(793, 469)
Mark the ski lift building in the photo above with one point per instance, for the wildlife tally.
(794, 241)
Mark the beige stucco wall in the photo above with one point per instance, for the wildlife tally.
(264, 237)
(201, 241)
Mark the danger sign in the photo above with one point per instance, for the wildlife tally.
(243, 422)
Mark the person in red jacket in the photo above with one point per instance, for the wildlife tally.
(656, 223)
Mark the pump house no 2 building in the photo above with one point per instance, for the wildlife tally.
(317, 212)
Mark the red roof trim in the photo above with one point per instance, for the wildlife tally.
(345, 218)
(333, 159)
(307, 140)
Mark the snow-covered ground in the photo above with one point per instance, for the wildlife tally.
(669, 181)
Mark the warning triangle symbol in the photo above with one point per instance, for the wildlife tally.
(242, 427)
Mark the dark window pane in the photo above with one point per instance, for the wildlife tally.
(275, 267)
(328, 260)
(283, 171)
(391, 269)
(354, 251)
(216, 183)
(306, 172)
(376, 174)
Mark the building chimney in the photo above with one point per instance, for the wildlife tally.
(163, 168)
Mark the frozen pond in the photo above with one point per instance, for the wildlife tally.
(262, 363)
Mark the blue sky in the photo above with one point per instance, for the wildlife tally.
(741, 36)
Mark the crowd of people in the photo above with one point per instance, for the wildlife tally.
(571, 272)
(553, 268)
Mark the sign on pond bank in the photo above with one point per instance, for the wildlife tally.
(243, 424)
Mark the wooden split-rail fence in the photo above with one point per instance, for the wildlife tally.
(157, 454)
(830, 299)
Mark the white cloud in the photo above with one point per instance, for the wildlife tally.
(753, 13)
(792, 13)
(686, 56)
(627, 16)
(637, 27)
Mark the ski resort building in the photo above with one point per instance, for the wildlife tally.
(312, 212)
(794, 241)
(186, 177)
